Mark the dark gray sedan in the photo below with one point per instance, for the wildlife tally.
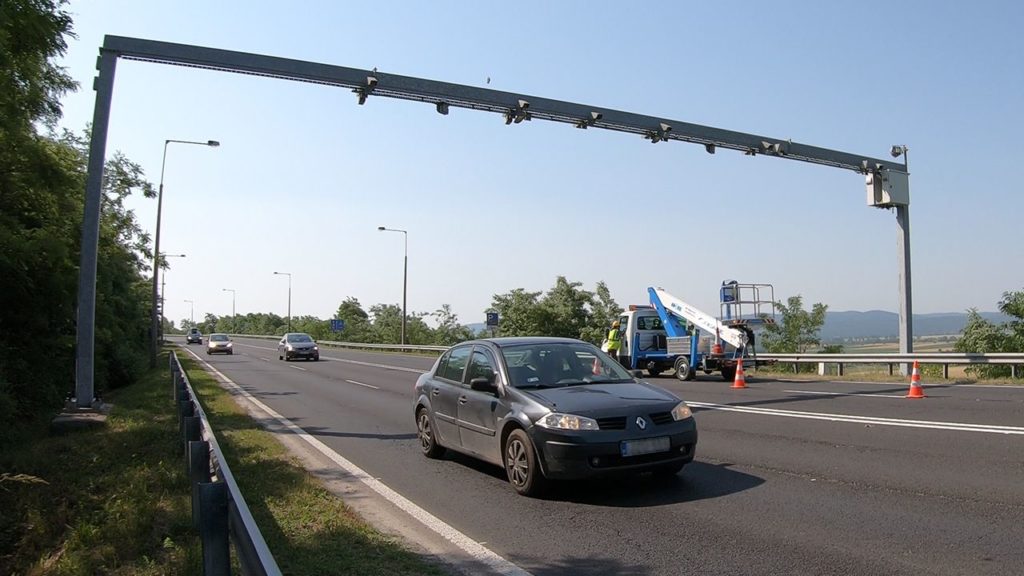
(549, 408)
(297, 345)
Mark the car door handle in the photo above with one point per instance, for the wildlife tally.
(463, 399)
(435, 392)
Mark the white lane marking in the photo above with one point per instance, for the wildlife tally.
(989, 428)
(842, 394)
(300, 368)
(479, 552)
(346, 360)
(361, 384)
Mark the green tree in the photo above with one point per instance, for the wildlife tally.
(565, 309)
(449, 331)
(798, 331)
(42, 177)
(604, 311)
(357, 321)
(520, 313)
(981, 336)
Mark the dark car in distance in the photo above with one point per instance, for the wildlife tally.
(194, 336)
(549, 408)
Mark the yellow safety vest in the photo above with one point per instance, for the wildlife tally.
(614, 340)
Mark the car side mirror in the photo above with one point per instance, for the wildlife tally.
(637, 373)
(482, 384)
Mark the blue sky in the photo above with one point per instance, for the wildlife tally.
(304, 176)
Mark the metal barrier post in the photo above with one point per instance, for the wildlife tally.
(842, 371)
(213, 528)
(198, 473)
(191, 432)
(891, 372)
(945, 371)
(185, 409)
(1013, 371)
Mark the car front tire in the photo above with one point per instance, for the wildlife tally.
(521, 465)
(425, 432)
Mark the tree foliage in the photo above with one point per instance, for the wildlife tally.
(42, 180)
(798, 331)
(565, 310)
(983, 336)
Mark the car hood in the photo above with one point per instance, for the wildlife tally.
(589, 398)
(301, 344)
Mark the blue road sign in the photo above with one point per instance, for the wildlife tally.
(492, 319)
(337, 325)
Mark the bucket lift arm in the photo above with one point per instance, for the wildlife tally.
(666, 302)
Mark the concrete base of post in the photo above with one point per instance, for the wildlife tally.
(73, 418)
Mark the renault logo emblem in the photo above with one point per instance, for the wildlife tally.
(641, 422)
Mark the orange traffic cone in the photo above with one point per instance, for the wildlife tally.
(740, 381)
(915, 384)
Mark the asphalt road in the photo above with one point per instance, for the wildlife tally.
(790, 477)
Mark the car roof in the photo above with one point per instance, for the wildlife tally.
(525, 340)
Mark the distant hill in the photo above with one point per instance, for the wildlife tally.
(877, 324)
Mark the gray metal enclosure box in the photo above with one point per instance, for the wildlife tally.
(888, 188)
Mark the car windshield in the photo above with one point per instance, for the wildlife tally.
(219, 337)
(194, 331)
(299, 338)
(557, 364)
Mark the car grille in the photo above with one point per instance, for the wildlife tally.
(660, 418)
(612, 423)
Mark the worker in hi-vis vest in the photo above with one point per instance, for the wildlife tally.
(614, 341)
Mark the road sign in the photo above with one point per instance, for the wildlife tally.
(337, 325)
(492, 319)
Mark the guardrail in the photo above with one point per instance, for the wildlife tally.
(218, 510)
(1014, 359)
(946, 359)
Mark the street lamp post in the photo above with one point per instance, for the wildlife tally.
(154, 325)
(232, 290)
(192, 315)
(289, 275)
(163, 293)
(405, 273)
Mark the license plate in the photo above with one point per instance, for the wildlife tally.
(645, 446)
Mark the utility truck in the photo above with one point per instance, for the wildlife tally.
(670, 334)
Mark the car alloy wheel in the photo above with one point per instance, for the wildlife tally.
(428, 444)
(521, 464)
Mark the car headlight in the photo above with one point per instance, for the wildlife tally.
(317, 348)
(681, 412)
(559, 421)
(229, 344)
(288, 347)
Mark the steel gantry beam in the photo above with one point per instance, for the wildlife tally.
(513, 107)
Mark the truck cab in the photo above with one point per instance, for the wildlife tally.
(644, 340)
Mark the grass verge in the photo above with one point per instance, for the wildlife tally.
(111, 500)
(308, 529)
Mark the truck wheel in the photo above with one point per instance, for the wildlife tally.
(683, 370)
(728, 373)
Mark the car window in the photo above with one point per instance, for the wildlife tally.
(441, 364)
(219, 337)
(560, 364)
(299, 338)
(456, 365)
(480, 366)
(649, 323)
